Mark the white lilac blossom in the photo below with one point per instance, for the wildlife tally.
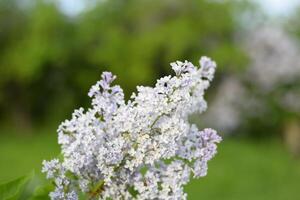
(142, 149)
(273, 73)
(228, 109)
(275, 64)
(274, 56)
(225, 110)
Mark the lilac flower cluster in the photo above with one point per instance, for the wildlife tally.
(142, 149)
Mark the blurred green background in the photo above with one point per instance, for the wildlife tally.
(51, 52)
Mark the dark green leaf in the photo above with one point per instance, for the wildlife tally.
(12, 189)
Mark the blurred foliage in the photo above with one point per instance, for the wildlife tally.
(49, 60)
(12, 190)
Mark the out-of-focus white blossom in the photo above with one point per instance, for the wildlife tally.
(225, 112)
(273, 73)
(142, 149)
(291, 100)
(274, 56)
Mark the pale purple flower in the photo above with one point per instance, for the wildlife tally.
(121, 147)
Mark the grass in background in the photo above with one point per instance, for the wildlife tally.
(20, 154)
(241, 170)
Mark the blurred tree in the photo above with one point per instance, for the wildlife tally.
(144, 36)
(49, 60)
(33, 49)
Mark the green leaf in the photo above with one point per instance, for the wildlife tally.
(12, 189)
(96, 190)
(42, 192)
(133, 191)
